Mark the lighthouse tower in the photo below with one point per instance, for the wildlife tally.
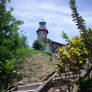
(42, 31)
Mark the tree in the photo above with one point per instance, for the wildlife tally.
(4, 1)
(77, 54)
(37, 45)
(10, 42)
(9, 36)
(80, 22)
(85, 33)
(72, 51)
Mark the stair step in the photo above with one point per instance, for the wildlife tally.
(28, 87)
(26, 91)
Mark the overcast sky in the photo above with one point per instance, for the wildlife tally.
(56, 13)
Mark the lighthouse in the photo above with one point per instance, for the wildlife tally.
(42, 30)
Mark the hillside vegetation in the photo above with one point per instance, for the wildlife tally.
(37, 67)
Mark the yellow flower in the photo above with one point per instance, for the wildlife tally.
(60, 49)
(81, 61)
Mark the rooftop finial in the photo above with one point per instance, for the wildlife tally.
(42, 19)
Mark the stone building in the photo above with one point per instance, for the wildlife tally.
(42, 32)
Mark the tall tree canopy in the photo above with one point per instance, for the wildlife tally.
(9, 36)
(11, 45)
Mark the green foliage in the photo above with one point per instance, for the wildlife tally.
(65, 37)
(22, 53)
(72, 2)
(9, 36)
(11, 45)
(22, 42)
(85, 33)
(37, 45)
(40, 44)
(7, 66)
(45, 40)
(7, 73)
(79, 50)
(80, 22)
(4, 1)
(85, 85)
(47, 52)
(88, 39)
(77, 54)
(73, 56)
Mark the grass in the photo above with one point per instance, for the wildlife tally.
(26, 52)
(37, 66)
(22, 54)
(47, 52)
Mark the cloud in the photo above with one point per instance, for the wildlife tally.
(56, 14)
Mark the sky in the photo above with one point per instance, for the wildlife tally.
(56, 13)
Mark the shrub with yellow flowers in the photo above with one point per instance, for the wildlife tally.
(72, 57)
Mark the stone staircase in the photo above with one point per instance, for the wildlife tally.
(42, 86)
(35, 87)
(46, 85)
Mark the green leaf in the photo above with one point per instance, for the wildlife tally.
(60, 63)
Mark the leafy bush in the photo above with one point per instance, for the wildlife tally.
(85, 85)
(78, 52)
(37, 45)
(73, 55)
(7, 74)
(9, 36)
(11, 45)
(21, 54)
(47, 52)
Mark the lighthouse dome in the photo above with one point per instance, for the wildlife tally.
(42, 24)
